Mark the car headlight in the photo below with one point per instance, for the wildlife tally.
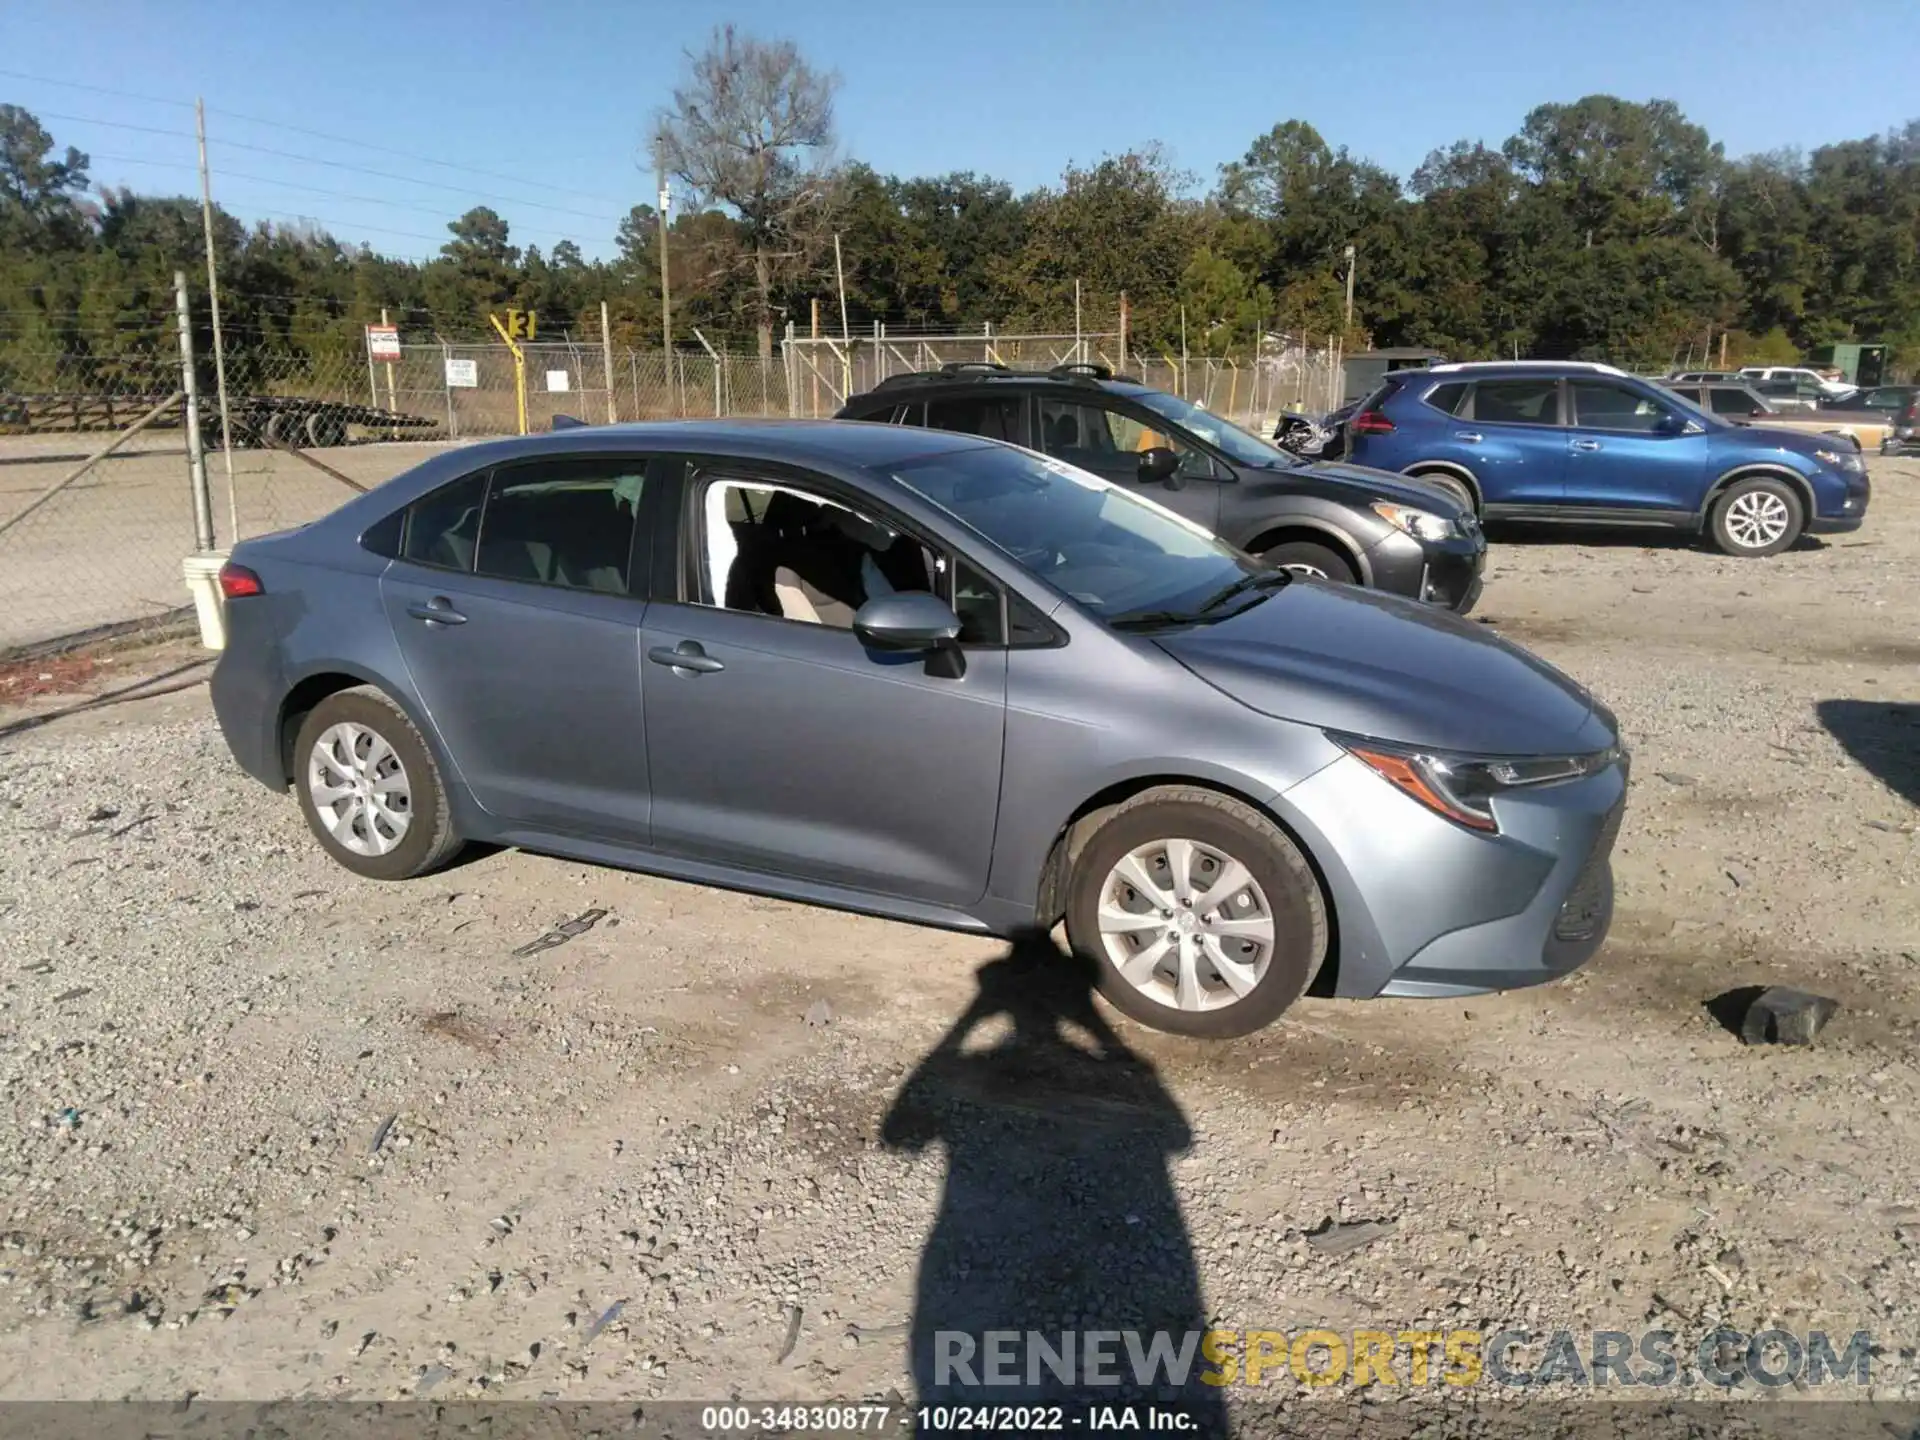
(1461, 787)
(1418, 523)
(1848, 461)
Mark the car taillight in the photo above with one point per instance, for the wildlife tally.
(1370, 422)
(236, 581)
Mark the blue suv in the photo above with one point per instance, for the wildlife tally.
(1592, 444)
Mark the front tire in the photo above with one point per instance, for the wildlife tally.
(1203, 916)
(369, 788)
(1303, 557)
(1755, 518)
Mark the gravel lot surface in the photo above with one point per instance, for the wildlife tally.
(276, 1131)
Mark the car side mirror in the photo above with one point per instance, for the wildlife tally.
(1161, 466)
(1671, 422)
(906, 621)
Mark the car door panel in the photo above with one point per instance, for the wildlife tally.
(530, 672)
(805, 754)
(536, 692)
(1616, 460)
(1511, 441)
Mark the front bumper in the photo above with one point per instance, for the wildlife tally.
(1447, 573)
(1426, 908)
(1851, 511)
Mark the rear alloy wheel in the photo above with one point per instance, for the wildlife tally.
(369, 788)
(1204, 918)
(1757, 517)
(1439, 480)
(1303, 557)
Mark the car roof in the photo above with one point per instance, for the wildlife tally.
(850, 442)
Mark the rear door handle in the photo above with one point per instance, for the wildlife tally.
(687, 655)
(1472, 437)
(1586, 444)
(437, 611)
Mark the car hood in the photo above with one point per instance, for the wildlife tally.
(1366, 663)
(1795, 441)
(1384, 485)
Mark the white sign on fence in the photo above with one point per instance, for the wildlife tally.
(557, 382)
(463, 374)
(383, 342)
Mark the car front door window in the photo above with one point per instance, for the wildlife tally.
(1600, 406)
(783, 550)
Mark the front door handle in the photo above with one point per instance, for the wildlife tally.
(1472, 437)
(437, 611)
(687, 656)
(1586, 444)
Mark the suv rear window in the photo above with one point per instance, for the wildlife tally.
(1446, 398)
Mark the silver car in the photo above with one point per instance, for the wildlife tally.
(936, 678)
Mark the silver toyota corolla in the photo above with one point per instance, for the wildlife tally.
(935, 678)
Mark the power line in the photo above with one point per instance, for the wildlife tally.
(337, 165)
(226, 174)
(299, 130)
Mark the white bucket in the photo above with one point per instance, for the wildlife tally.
(202, 574)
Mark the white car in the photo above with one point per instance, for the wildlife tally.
(1831, 389)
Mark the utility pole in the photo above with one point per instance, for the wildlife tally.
(213, 301)
(666, 199)
(1349, 288)
(606, 365)
(196, 458)
(846, 335)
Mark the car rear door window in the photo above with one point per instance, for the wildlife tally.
(1600, 405)
(562, 522)
(1517, 402)
(1734, 402)
(994, 419)
(442, 527)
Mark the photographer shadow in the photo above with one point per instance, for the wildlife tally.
(1059, 1218)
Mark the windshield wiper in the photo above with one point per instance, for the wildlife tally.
(1276, 578)
(1204, 613)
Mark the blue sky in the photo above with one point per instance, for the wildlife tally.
(553, 99)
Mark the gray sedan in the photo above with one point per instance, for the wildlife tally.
(931, 677)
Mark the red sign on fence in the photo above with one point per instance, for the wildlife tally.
(383, 342)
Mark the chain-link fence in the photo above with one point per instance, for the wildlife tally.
(105, 548)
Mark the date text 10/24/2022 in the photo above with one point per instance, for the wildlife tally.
(946, 1419)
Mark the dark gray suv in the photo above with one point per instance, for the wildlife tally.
(931, 677)
(1336, 522)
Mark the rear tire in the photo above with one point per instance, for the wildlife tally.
(1306, 558)
(1221, 926)
(1756, 518)
(1455, 487)
(369, 788)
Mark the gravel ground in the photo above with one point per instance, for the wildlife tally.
(280, 1132)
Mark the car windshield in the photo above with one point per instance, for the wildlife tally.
(1236, 444)
(1123, 557)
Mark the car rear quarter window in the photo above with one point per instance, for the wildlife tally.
(1446, 398)
(1518, 402)
(443, 527)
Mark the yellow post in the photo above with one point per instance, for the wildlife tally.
(519, 370)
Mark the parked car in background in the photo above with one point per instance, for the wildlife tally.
(1789, 393)
(1732, 400)
(1903, 435)
(1560, 441)
(1336, 522)
(934, 678)
(1830, 384)
(1700, 377)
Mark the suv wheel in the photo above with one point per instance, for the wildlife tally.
(369, 788)
(1204, 918)
(1303, 557)
(1757, 517)
(1441, 480)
